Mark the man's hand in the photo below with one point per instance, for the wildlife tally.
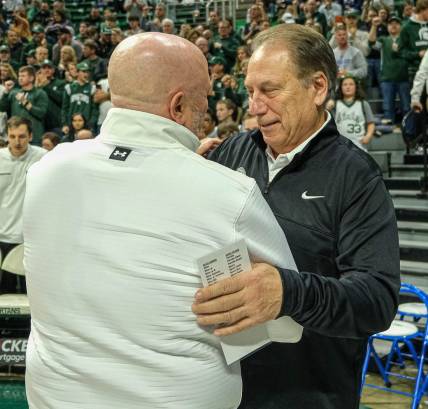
(207, 145)
(417, 106)
(240, 302)
(8, 85)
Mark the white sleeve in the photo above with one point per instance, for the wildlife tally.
(263, 235)
(420, 80)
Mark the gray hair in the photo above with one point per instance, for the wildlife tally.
(309, 50)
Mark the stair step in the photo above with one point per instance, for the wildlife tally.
(407, 243)
(403, 183)
(410, 159)
(412, 226)
(404, 193)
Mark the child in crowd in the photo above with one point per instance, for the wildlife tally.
(50, 140)
(225, 111)
(353, 115)
(226, 129)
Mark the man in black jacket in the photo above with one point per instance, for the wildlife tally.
(331, 201)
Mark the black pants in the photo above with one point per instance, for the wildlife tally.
(10, 283)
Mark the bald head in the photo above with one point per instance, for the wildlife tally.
(148, 70)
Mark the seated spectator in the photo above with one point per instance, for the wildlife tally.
(20, 24)
(105, 46)
(210, 129)
(242, 53)
(156, 23)
(16, 48)
(225, 112)
(353, 115)
(27, 102)
(203, 44)
(14, 163)
(216, 65)
(168, 26)
(225, 44)
(67, 56)
(116, 37)
(133, 26)
(7, 73)
(78, 122)
(394, 72)
(226, 130)
(94, 18)
(30, 58)
(5, 57)
(50, 140)
(83, 32)
(84, 134)
(249, 122)
(349, 60)
(70, 73)
(251, 29)
(192, 36)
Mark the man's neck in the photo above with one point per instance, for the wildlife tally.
(18, 156)
(82, 82)
(28, 87)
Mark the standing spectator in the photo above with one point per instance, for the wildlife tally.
(105, 47)
(59, 6)
(20, 24)
(349, 60)
(50, 140)
(16, 48)
(38, 39)
(83, 32)
(54, 89)
(133, 8)
(116, 37)
(394, 74)
(42, 53)
(102, 98)
(213, 21)
(217, 72)
(15, 161)
(65, 38)
(27, 101)
(252, 28)
(30, 58)
(94, 18)
(413, 40)
(225, 45)
(310, 11)
(96, 64)
(78, 98)
(331, 9)
(419, 85)
(160, 15)
(353, 115)
(5, 57)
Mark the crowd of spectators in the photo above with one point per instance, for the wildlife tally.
(52, 68)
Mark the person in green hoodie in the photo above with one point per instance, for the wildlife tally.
(413, 40)
(78, 97)
(27, 101)
(54, 89)
(394, 73)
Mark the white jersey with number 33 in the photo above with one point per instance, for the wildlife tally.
(351, 121)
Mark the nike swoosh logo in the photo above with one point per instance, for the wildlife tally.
(306, 197)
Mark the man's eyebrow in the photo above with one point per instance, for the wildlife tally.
(265, 84)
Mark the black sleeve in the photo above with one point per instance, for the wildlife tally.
(364, 300)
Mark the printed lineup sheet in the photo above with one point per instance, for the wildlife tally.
(227, 262)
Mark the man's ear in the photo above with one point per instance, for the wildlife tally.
(176, 108)
(31, 137)
(320, 85)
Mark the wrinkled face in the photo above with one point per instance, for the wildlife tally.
(77, 122)
(25, 79)
(12, 37)
(47, 144)
(223, 112)
(18, 139)
(349, 88)
(284, 107)
(341, 38)
(168, 27)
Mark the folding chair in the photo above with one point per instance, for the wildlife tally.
(401, 333)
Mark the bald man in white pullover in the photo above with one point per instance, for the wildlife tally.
(113, 227)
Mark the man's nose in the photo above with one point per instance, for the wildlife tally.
(257, 106)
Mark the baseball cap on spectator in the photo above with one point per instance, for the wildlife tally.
(47, 62)
(217, 60)
(37, 29)
(352, 13)
(31, 53)
(105, 30)
(66, 30)
(288, 18)
(394, 17)
(83, 67)
(4, 49)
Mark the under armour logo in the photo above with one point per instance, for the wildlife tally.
(120, 153)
